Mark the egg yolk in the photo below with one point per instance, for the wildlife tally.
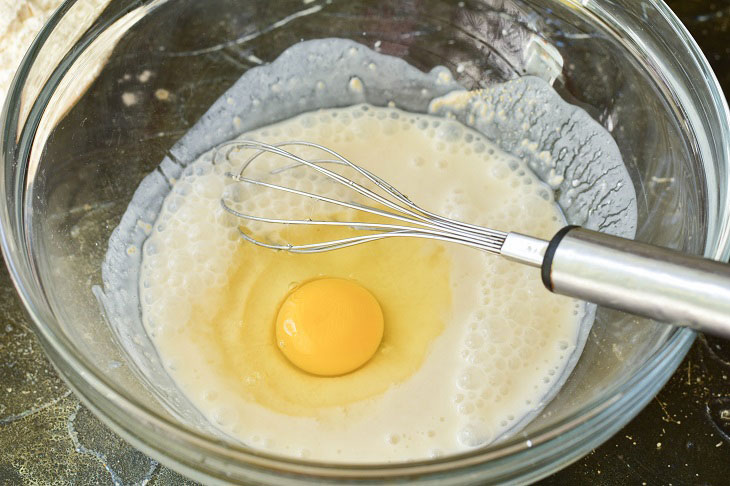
(329, 326)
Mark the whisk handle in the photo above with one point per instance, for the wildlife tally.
(642, 279)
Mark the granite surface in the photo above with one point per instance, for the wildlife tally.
(682, 437)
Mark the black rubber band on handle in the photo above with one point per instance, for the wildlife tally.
(547, 261)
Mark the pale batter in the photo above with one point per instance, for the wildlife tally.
(485, 342)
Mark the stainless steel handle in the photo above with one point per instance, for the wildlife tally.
(642, 279)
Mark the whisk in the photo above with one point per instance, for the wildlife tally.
(615, 272)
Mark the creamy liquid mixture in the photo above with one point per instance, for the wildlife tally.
(472, 343)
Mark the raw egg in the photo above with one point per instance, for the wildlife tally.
(329, 326)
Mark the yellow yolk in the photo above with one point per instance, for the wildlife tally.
(329, 326)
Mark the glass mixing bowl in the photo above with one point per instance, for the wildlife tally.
(106, 90)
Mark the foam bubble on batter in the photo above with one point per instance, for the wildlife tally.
(564, 146)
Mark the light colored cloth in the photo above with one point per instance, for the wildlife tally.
(27, 17)
(20, 22)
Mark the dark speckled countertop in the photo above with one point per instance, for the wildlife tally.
(681, 438)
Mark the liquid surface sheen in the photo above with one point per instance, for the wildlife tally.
(471, 343)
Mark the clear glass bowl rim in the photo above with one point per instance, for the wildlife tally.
(140, 425)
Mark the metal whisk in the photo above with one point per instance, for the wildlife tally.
(607, 270)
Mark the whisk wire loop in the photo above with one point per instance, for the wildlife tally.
(395, 205)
